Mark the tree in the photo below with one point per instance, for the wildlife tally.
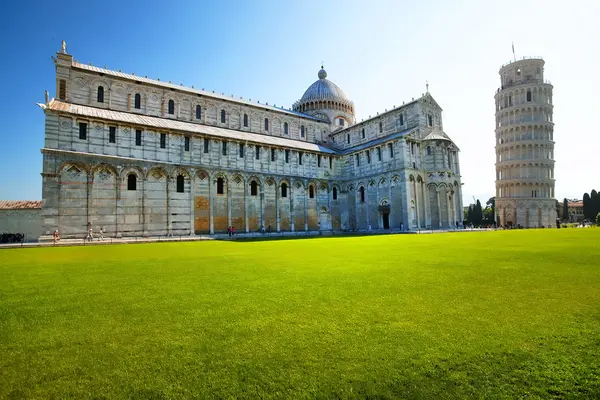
(586, 206)
(491, 204)
(470, 214)
(594, 209)
(598, 219)
(477, 213)
(565, 210)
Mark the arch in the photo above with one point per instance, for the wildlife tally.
(156, 173)
(137, 101)
(198, 111)
(361, 193)
(285, 128)
(171, 108)
(267, 124)
(223, 116)
(284, 189)
(79, 166)
(100, 94)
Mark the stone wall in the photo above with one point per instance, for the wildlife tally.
(25, 221)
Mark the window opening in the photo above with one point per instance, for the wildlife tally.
(220, 186)
(131, 182)
(112, 134)
(180, 183)
(82, 131)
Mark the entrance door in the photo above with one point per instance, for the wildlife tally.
(386, 220)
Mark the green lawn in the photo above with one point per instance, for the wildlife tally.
(481, 315)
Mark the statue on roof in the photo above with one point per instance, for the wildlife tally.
(64, 47)
(46, 94)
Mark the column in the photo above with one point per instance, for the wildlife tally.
(449, 207)
(168, 213)
(367, 205)
(416, 204)
(291, 194)
(409, 222)
(356, 206)
(277, 194)
(192, 208)
(262, 205)
(330, 215)
(90, 182)
(437, 192)
(246, 189)
(389, 178)
(144, 219)
(305, 206)
(211, 194)
(228, 202)
(379, 218)
(427, 205)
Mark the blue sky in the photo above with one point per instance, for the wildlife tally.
(379, 52)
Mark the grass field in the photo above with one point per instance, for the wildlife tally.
(485, 315)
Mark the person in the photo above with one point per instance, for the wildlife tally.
(89, 236)
(229, 231)
(56, 236)
(262, 229)
(402, 227)
(232, 231)
(369, 227)
(101, 237)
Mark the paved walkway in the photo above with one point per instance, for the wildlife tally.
(219, 236)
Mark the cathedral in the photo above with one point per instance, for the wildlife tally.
(136, 156)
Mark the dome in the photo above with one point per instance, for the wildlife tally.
(323, 89)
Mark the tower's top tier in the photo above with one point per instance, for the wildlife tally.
(526, 70)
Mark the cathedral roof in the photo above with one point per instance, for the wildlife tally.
(437, 135)
(20, 204)
(324, 89)
(181, 126)
(137, 78)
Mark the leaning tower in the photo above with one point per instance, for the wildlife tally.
(524, 146)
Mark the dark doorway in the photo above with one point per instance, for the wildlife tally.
(386, 221)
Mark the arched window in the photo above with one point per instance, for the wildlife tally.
(285, 128)
(311, 192)
(334, 193)
(401, 119)
(302, 131)
(428, 150)
(100, 94)
(245, 120)
(171, 107)
(361, 191)
(380, 127)
(198, 112)
(180, 183)
(529, 95)
(222, 116)
(253, 188)
(283, 190)
(220, 186)
(363, 132)
(131, 182)
(138, 101)
(266, 124)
